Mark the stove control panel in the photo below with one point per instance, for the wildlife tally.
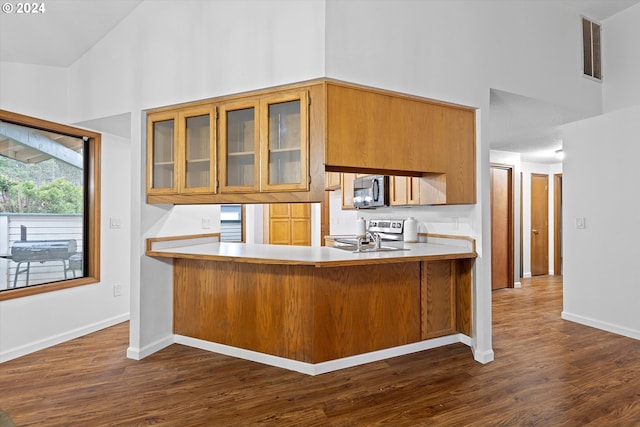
(392, 226)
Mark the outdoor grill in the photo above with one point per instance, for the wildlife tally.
(28, 251)
(43, 250)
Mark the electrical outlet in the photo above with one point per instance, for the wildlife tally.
(117, 290)
(581, 223)
(114, 223)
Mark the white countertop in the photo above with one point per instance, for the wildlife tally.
(318, 256)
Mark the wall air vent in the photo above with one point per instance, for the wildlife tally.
(591, 52)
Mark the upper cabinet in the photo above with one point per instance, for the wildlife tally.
(404, 190)
(412, 190)
(385, 132)
(275, 145)
(239, 147)
(196, 131)
(284, 130)
(264, 144)
(162, 131)
(181, 154)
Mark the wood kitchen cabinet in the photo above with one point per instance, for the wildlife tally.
(411, 190)
(284, 129)
(275, 145)
(162, 162)
(446, 297)
(264, 145)
(385, 132)
(332, 181)
(346, 182)
(181, 155)
(404, 190)
(239, 146)
(290, 224)
(197, 138)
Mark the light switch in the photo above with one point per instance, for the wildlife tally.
(581, 223)
(206, 222)
(114, 223)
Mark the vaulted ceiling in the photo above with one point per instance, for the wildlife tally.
(67, 29)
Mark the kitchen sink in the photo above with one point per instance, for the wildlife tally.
(368, 248)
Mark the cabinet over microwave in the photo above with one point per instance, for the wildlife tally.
(371, 191)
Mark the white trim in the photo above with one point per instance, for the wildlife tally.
(526, 275)
(483, 356)
(60, 338)
(517, 284)
(598, 324)
(147, 350)
(323, 367)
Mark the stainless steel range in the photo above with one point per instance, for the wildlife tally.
(389, 229)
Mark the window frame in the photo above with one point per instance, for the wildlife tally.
(92, 204)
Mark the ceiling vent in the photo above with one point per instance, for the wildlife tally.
(591, 52)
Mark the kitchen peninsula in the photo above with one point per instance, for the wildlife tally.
(317, 309)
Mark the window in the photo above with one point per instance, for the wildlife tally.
(231, 229)
(49, 206)
(591, 53)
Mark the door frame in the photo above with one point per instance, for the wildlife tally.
(510, 219)
(557, 224)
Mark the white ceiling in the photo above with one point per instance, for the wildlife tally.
(527, 126)
(62, 33)
(69, 28)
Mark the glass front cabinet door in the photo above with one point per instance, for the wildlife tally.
(284, 142)
(162, 133)
(239, 147)
(196, 134)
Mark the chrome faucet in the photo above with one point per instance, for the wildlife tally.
(377, 239)
(369, 236)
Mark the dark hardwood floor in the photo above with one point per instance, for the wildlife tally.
(547, 372)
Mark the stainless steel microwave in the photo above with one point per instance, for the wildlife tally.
(371, 191)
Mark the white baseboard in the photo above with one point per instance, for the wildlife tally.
(598, 324)
(141, 353)
(60, 338)
(526, 275)
(323, 367)
(517, 284)
(483, 357)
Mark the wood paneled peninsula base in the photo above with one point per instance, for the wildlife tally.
(318, 309)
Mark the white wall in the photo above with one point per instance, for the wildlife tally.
(457, 50)
(31, 323)
(601, 287)
(173, 51)
(600, 172)
(621, 62)
(35, 90)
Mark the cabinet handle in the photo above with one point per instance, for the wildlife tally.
(410, 195)
(534, 231)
